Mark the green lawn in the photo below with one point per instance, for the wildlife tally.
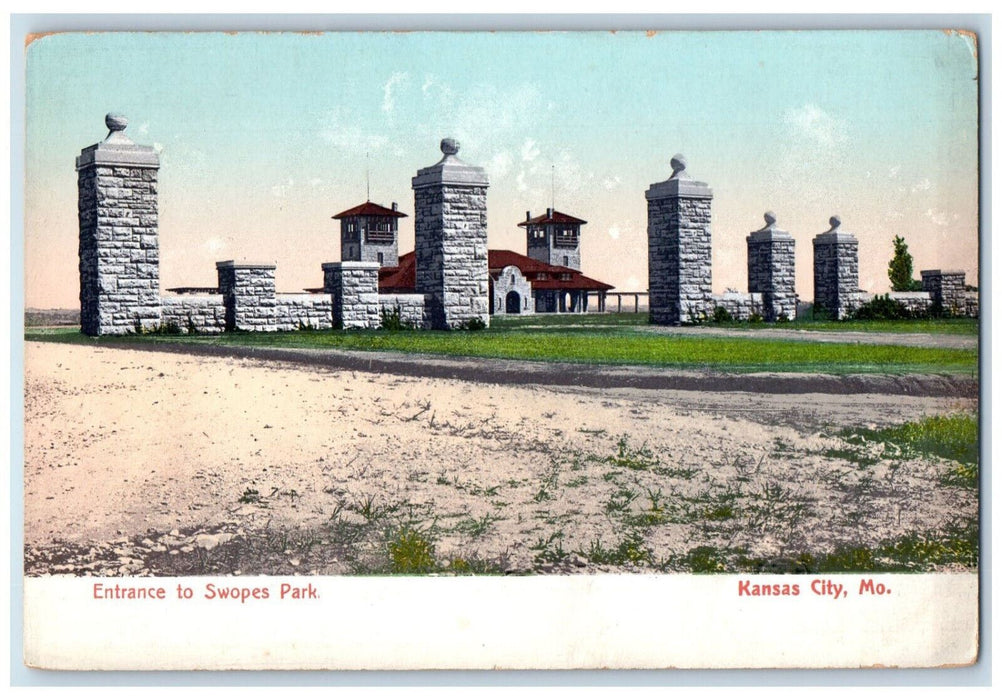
(616, 343)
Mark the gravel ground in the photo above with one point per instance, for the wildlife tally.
(153, 463)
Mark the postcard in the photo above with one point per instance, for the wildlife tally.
(501, 350)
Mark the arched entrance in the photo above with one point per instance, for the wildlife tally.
(513, 303)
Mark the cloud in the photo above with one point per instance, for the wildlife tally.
(922, 186)
(611, 183)
(893, 172)
(341, 132)
(388, 89)
(214, 245)
(281, 190)
(614, 232)
(814, 124)
(500, 164)
(529, 150)
(937, 216)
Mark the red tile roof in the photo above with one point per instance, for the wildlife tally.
(402, 278)
(555, 217)
(368, 209)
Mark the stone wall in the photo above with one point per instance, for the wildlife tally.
(298, 311)
(740, 306)
(205, 313)
(354, 291)
(119, 255)
(679, 248)
(836, 272)
(771, 270)
(915, 302)
(450, 240)
(411, 308)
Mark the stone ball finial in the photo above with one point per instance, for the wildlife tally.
(677, 164)
(835, 222)
(115, 121)
(450, 147)
(770, 218)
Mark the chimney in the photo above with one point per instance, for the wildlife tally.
(393, 206)
(528, 215)
(549, 212)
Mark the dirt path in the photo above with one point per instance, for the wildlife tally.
(521, 372)
(123, 447)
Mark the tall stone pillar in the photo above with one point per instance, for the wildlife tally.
(450, 240)
(771, 270)
(836, 271)
(119, 251)
(679, 252)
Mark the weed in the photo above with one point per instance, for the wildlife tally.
(550, 549)
(631, 550)
(620, 501)
(411, 552)
(250, 496)
(476, 527)
(704, 560)
(639, 459)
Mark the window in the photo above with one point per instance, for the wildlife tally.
(513, 278)
(379, 258)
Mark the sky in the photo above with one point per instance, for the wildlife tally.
(264, 136)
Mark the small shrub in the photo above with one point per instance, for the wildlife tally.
(390, 320)
(756, 317)
(881, 308)
(474, 324)
(722, 315)
(192, 328)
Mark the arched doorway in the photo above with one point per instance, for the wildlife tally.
(513, 303)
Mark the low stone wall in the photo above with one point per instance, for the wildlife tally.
(739, 306)
(201, 313)
(410, 306)
(295, 311)
(915, 302)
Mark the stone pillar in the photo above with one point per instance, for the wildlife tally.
(450, 240)
(354, 290)
(679, 252)
(248, 291)
(771, 270)
(119, 252)
(947, 289)
(836, 271)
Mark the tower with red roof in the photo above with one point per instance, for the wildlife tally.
(554, 238)
(369, 234)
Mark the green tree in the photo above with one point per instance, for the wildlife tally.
(899, 270)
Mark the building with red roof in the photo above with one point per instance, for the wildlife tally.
(369, 233)
(526, 284)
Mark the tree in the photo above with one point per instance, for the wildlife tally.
(899, 270)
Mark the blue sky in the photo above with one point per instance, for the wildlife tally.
(264, 136)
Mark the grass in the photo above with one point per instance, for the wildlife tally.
(953, 436)
(615, 345)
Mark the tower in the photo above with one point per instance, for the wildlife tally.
(369, 234)
(554, 238)
(119, 251)
(678, 241)
(771, 270)
(450, 240)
